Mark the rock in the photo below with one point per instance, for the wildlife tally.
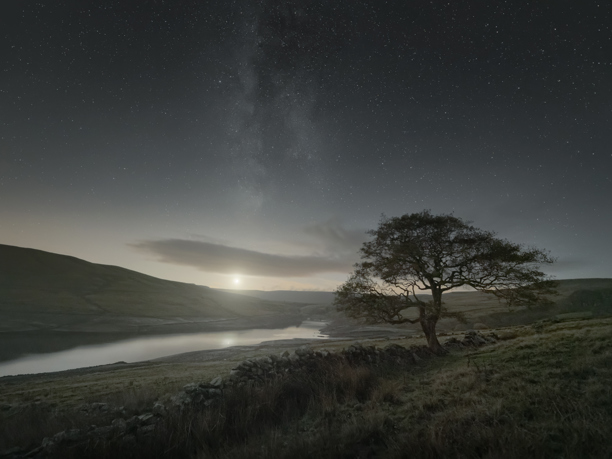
(132, 423)
(491, 338)
(84, 407)
(217, 382)
(393, 348)
(474, 338)
(47, 442)
(146, 430)
(189, 388)
(506, 335)
(480, 326)
(452, 343)
(213, 393)
(99, 406)
(159, 409)
(241, 368)
(181, 399)
(67, 436)
(119, 425)
(102, 432)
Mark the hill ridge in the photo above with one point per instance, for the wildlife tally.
(36, 281)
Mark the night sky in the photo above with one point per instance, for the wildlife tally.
(257, 141)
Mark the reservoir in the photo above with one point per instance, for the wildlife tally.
(152, 347)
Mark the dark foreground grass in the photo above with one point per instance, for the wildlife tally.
(27, 425)
(546, 395)
(263, 417)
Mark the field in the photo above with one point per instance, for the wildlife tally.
(541, 391)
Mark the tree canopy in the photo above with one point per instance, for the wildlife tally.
(424, 253)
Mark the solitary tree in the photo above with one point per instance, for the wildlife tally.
(433, 254)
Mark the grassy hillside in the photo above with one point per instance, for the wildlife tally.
(33, 281)
(477, 304)
(485, 309)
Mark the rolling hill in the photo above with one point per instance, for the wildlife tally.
(34, 283)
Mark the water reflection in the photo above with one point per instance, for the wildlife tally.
(151, 347)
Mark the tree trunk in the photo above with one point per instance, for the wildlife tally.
(429, 319)
(428, 324)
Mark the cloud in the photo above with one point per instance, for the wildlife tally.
(335, 238)
(218, 258)
(567, 267)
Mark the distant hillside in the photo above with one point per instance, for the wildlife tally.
(312, 305)
(288, 296)
(476, 304)
(33, 282)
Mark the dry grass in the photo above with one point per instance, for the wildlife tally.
(544, 395)
(259, 420)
